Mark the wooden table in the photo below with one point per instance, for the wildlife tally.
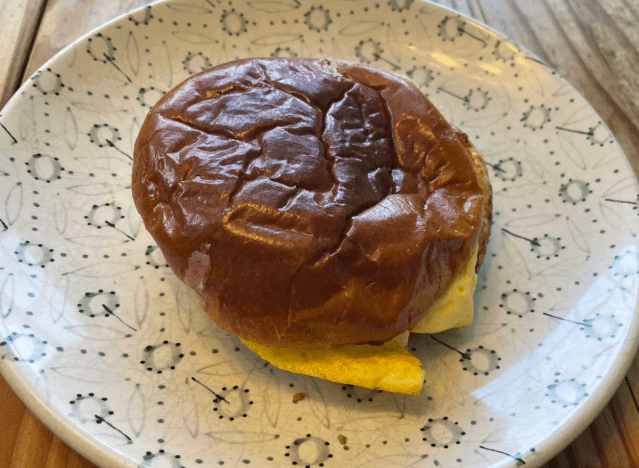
(594, 44)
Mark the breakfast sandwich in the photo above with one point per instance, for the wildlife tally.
(321, 209)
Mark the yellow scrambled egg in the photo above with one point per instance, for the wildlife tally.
(388, 367)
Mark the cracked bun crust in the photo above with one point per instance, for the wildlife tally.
(308, 202)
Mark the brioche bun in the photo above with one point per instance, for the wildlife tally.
(309, 202)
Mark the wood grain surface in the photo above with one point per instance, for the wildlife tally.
(20, 20)
(594, 44)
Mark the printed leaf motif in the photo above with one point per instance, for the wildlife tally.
(317, 401)
(486, 108)
(60, 214)
(189, 9)
(429, 9)
(572, 152)
(401, 403)
(141, 302)
(481, 120)
(275, 6)
(239, 437)
(227, 368)
(276, 39)
(134, 220)
(578, 236)
(519, 190)
(497, 436)
(13, 204)
(96, 107)
(392, 460)
(134, 130)
(629, 296)
(169, 64)
(426, 34)
(98, 332)
(133, 53)
(617, 216)
(393, 46)
(102, 270)
(42, 383)
(378, 423)
(70, 129)
(504, 393)
(185, 303)
(7, 292)
(100, 162)
(595, 298)
(533, 73)
(607, 158)
(272, 397)
(361, 27)
(579, 118)
(57, 308)
(513, 253)
(559, 269)
(624, 188)
(96, 189)
(534, 220)
(26, 123)
(136, 411)
(192, 421)
(87, 374)
(192, 38)
(536, 165)
(99, 241)
(500, 150)
(563, 89)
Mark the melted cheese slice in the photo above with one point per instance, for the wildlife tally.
(388, 367)
(454, 308)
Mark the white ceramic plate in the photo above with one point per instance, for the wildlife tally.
(112, 352)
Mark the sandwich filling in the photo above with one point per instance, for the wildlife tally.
(388, 367)
(316, 205)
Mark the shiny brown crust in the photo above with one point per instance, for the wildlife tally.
(307, 201)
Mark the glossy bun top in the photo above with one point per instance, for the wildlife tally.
(307, 201)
